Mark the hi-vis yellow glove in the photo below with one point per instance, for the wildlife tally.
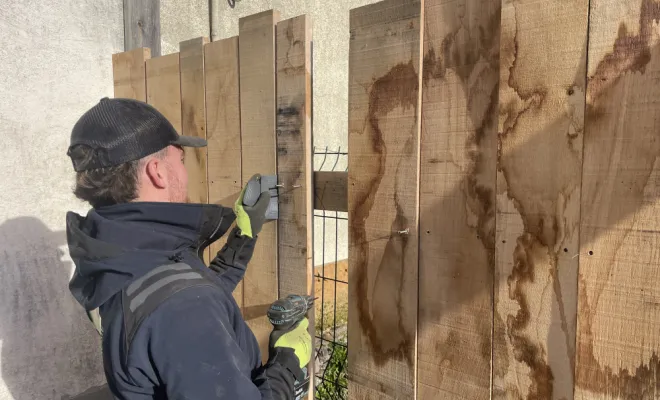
(297, 339)
(251, 217)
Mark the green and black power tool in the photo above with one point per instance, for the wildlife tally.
(284, 314)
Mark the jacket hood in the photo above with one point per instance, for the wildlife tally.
(112, 246)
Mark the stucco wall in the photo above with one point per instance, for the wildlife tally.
(56, 64)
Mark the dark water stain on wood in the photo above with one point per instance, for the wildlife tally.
(642, 383)
(381, 325)
(630, 53)
(191, 129)
(462, 53)
(540, 196)
(294, 51)
(524, 349)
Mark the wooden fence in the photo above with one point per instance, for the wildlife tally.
(503, 200)
(255, 111)
(503, 187)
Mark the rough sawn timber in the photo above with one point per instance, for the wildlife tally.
(128, 74)
(384, 126)
(223, 122)
(457, 198)
(164, 87)
(294, 152)
(541, 124)
(258, 155)
(618, 340)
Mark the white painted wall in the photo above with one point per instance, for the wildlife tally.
(56, 63)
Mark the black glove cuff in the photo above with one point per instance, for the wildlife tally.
(239, 249)
(287, 358)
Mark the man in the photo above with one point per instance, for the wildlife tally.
(171, 328)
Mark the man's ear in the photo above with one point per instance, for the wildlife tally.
(156, 172)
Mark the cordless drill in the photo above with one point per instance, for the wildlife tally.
(284, 314)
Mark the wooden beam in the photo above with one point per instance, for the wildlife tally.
(618, 344)
(542, 86)
(258, 152)
(164, 87)
(193, 115)
(294, 163)
(129, 78)
(294, 152)
(331, 190)
(223, 121)
(383, 134)
(142, 25)
(457, 198)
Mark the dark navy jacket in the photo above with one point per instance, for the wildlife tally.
(194, 344)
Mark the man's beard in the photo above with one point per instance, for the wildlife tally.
(179, 194)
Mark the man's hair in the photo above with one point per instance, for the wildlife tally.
(108, 186)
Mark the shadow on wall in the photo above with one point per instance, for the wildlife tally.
(49, 350)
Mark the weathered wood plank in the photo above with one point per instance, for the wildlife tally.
(258, 152)
(457, 198)
(331, 190)
(542, 92)
(294, 161)
(128, 70)
(384, 107)
(223, 121)
(142, 25)
(618, 344)
(294, 152)
(193, 115)
(164, 87)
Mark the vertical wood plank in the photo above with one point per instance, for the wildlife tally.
(384, 107)
(541, 124)
(294, 152)
(258, 155)
(193, 115)
(128, 70)
(142, 25)
(294, 162)
(618, 343)
(223, 121)
(457, 198)
(164, 87)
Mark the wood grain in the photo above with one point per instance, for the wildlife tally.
(331, 191)
(193, 115)
(294, 162)
(541, 124)
(294, 152)
(128, 71)
(164, 87)
(258, 155)
(457, 198)
(142, 25)
(618, 344)
(384, 99)
(223, 122)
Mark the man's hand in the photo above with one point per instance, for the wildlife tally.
(250, 219)
(297, 339)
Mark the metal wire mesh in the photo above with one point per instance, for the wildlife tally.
(331, 286)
